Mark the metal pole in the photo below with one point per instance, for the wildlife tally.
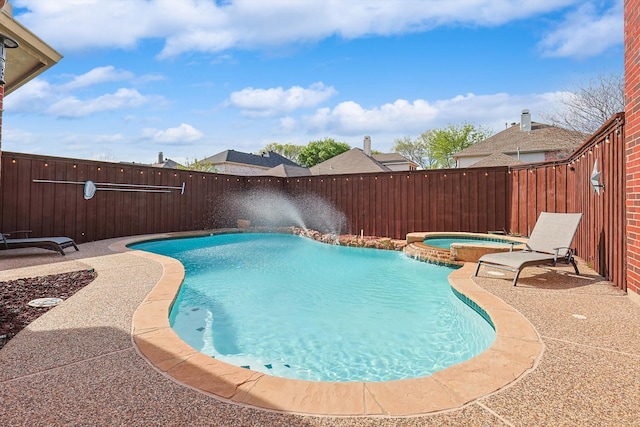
(111, 184)
(6, 42)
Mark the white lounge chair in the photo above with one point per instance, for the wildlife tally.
(550, 241)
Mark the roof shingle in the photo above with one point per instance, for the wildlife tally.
(352, 161)
(266, 160)
(496, 159)
(541, 138)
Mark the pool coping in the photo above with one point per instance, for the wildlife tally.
(459, 252)
(419, 236)
(515, 352)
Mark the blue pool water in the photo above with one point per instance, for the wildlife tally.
(445, 242)
(291, 307)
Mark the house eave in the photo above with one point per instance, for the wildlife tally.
(31, 58)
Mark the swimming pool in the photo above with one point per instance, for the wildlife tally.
(445, 242)
(458, 247)
(377, 327)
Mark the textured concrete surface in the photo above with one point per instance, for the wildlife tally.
(77, 365)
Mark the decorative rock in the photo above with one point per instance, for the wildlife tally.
(350, 240)
(244, 224)
(44, 302)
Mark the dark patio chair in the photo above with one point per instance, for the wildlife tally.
(57, 244)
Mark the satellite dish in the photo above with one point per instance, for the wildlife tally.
(89, 189)
(595, 178)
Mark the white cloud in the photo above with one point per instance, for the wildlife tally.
(30, 97)
(207, 26)
(40, 96)
(20, 140)
(288, 124)
(586, 32)
(84, 24)
(183, 134)
(403, 117)
(268, 102)
(347, 121)
(96, 76)
(146, 78)
(72, 107)
(116, 137)
(349, 117)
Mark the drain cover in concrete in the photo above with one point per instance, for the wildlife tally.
(45, 302)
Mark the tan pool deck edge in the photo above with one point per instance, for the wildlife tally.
(419, 236)
(514, 353)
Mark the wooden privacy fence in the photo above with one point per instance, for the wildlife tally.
(565, 186)
(394, 204)
(45, 194)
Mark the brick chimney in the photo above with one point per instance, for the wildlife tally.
(367, 145)
(525, 121)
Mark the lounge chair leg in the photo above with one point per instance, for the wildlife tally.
(477, 270)
(515, 279)
(575, 265)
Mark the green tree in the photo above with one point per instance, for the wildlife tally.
(318, 151)
(445, 142)
(289, 151)
(435, 148)
(416, 150)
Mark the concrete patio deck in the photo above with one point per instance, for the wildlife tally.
(77, 364)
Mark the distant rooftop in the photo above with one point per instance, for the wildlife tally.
(390, 158)
(352, 161)
(540, 138)
(287, 171)
(265, 160)
(496, 159)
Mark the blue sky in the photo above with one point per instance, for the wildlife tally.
(192, 78)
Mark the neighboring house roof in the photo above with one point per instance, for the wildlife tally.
(392, 158)
(352, 161)
(496, 159)
(541, 138)
(266, 160)
(167, 164)
(287, 171)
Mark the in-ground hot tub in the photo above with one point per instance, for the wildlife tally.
(457, 247)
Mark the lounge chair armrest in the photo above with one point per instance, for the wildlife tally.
(568, 256)
(562, 247)
(12, 233)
